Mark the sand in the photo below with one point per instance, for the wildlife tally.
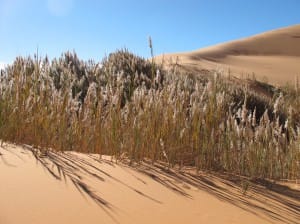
(272, 56)
(79, 188)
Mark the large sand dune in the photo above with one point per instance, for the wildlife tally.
(273, 56)
(73, 188)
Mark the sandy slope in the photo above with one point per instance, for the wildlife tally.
(76, 188)
(273, 56)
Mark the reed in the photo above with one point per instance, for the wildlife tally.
(126, 106)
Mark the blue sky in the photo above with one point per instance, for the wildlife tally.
(95, 28)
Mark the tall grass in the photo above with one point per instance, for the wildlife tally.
(129, 107)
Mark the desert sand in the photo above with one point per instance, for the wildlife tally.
(80, 188)
(75, 188)
(272, 56)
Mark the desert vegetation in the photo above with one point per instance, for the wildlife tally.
(133, 109)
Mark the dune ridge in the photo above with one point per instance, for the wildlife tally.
(273, 56)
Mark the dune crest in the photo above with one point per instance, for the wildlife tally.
(273, 56)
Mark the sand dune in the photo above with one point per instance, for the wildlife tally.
(78, 188)
(273, 56)
(75, 188)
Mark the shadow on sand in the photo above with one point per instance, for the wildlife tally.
(260, 197)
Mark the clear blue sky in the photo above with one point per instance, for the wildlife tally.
(94, 28)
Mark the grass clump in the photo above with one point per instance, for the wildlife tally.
(129, 106)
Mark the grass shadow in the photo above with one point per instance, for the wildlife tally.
(269, 200)
(69, 166)
(263, 198)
